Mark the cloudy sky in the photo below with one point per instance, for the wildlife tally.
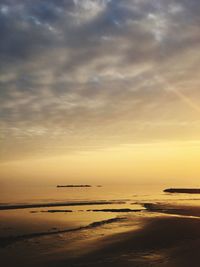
(86, 75)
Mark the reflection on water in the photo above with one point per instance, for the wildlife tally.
(18, 222)
(46, 235)
(52, 193)
(106, 192)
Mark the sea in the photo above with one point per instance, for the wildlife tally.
(37, 209)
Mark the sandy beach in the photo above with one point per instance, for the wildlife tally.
(162, 234)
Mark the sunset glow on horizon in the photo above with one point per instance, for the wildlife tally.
(160, 164)
(100, 91)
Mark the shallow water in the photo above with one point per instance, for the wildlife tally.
(91, 219)
(33, 220)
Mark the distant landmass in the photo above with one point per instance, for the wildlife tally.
(183, 190)
(74, 185)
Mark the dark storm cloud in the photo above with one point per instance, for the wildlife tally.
(96, 67)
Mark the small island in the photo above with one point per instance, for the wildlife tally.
(183, 190)
(72, 185)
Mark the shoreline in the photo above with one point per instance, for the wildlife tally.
(161, 241)
(164, 235)
(58, 204)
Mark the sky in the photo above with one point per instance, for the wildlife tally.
(100, 89)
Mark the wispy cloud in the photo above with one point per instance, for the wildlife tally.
(75, 72)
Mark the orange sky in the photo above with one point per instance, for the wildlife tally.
(100, 91)
(174, 163)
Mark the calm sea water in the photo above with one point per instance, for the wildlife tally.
(33, 220)
(28, 194)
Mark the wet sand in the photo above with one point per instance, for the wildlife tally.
(165, 235)
(6, 241)
(185, 210)
(163, 241)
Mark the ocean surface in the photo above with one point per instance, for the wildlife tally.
(79, 206)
